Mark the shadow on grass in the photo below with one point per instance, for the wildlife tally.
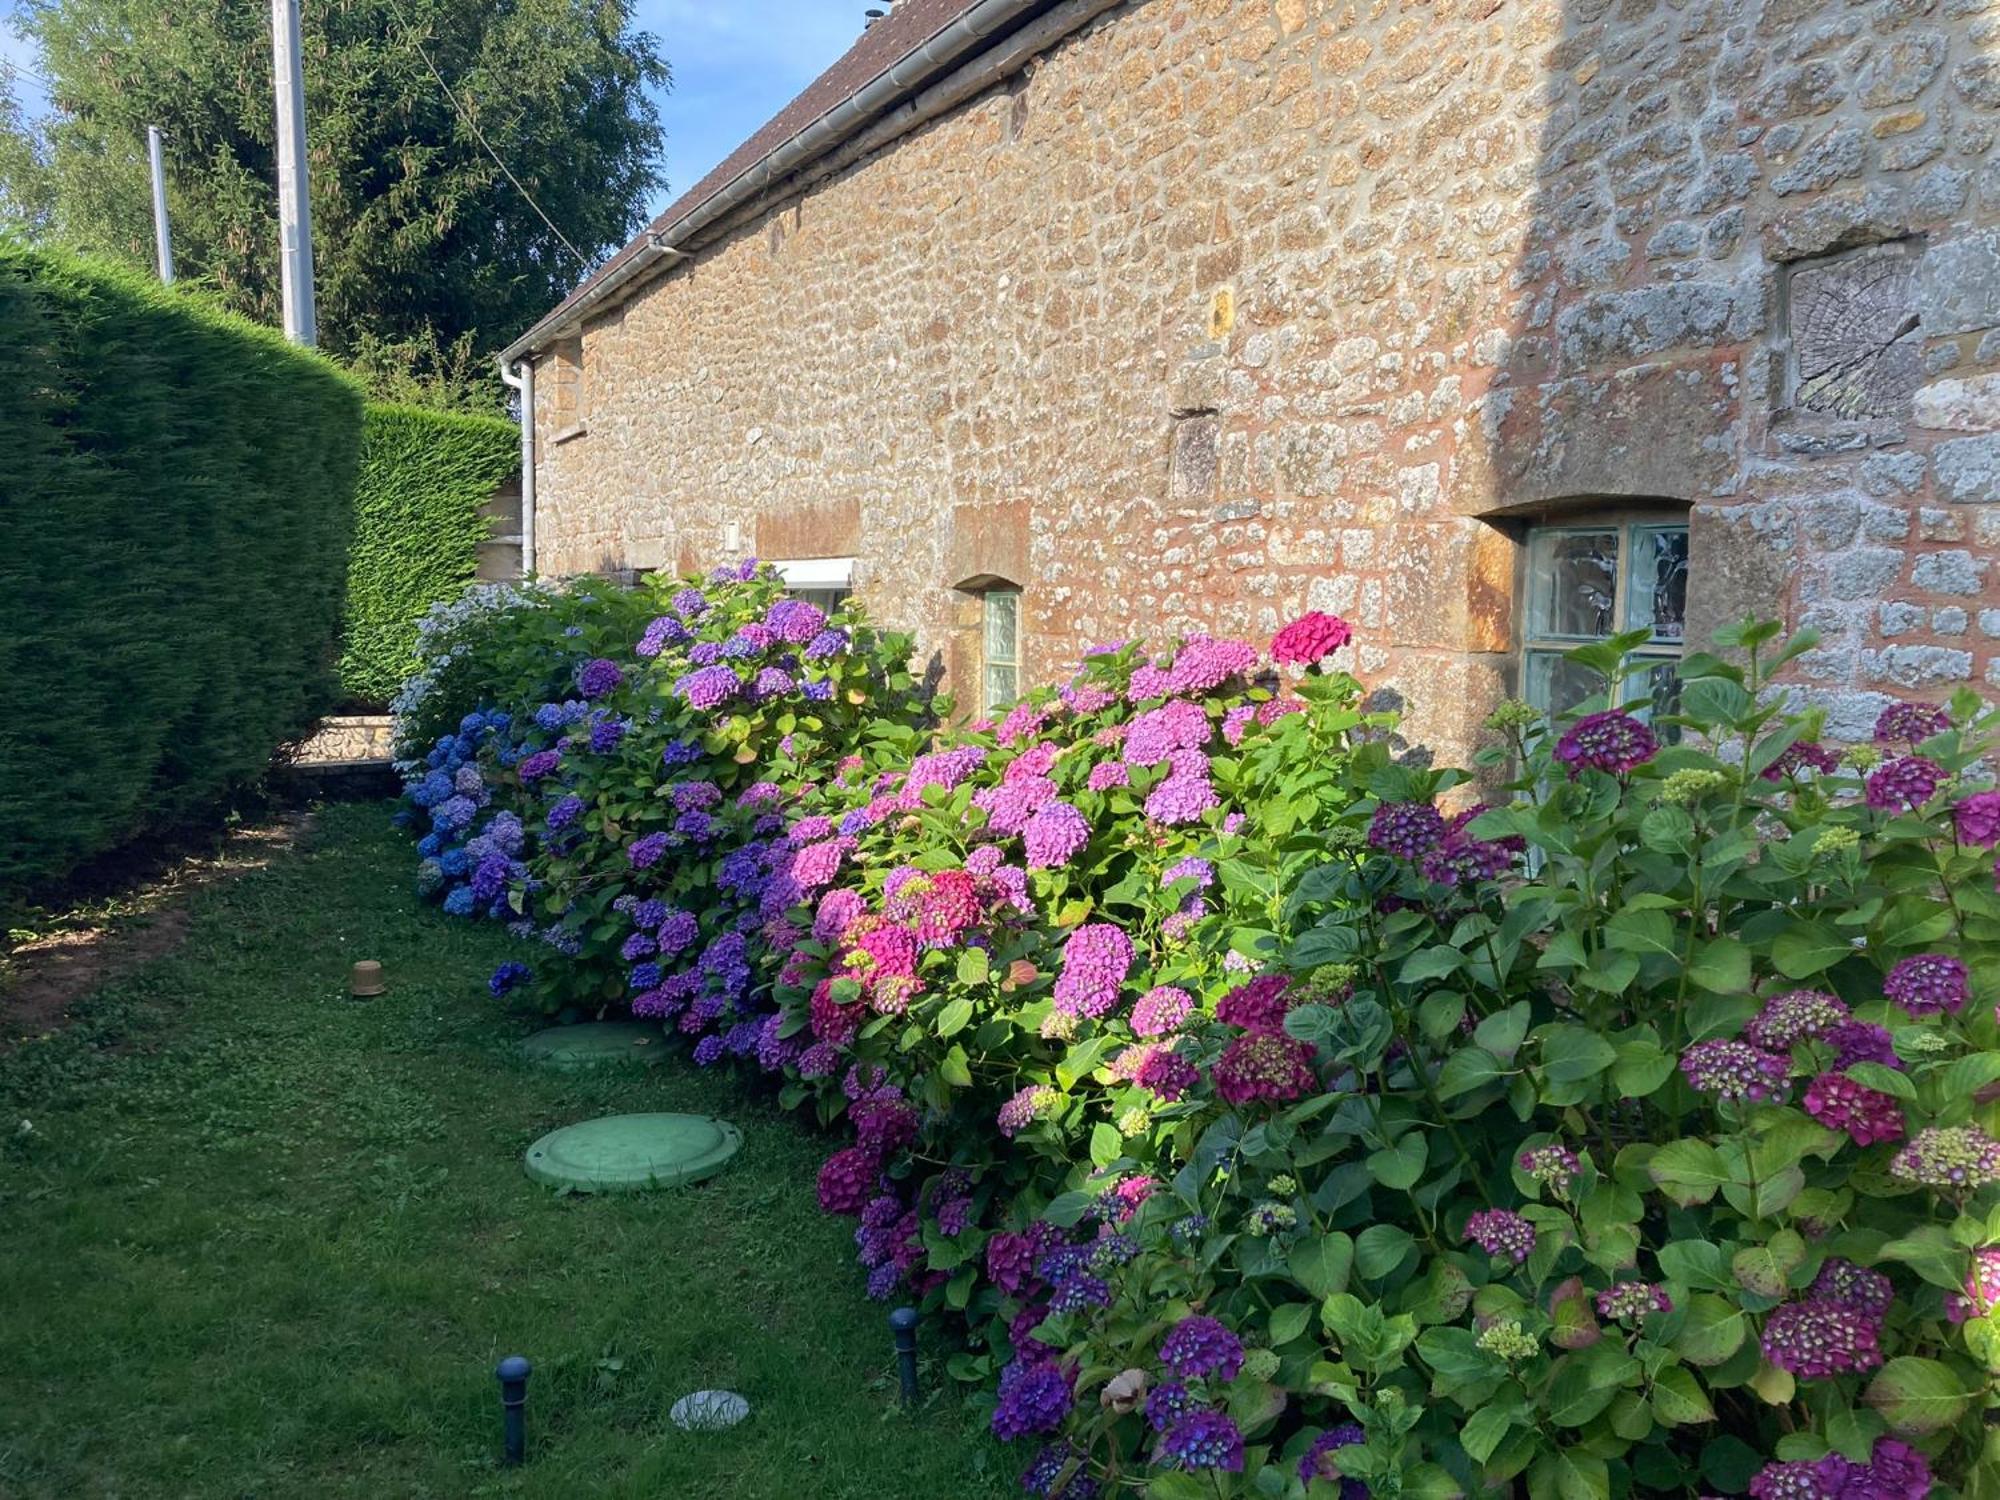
(265, 1240)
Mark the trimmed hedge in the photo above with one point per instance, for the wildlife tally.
(175, 510)
(425, 475)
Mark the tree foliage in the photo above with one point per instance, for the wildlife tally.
(421, 243)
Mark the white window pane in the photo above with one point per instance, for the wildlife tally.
(1573, 584)
(1656, 593)
(1000, 687)
(1556, 684)
(1003, 626)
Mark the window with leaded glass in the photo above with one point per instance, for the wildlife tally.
(1588, 581)
(1000, 663)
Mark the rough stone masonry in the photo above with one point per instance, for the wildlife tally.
(1223, 308)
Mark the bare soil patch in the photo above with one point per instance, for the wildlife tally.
(61, 956)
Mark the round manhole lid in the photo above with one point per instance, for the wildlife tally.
(595, 1043)
(627, 1153)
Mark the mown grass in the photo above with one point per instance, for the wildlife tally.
(262, 1240)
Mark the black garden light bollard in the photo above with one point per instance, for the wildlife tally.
(512, 1373)
(903, 1323)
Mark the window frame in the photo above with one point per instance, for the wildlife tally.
(824, 581)
(987, 661)
(1629, 524)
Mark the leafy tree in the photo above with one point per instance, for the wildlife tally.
(425, 253)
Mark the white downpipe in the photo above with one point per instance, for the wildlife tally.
(521, 378)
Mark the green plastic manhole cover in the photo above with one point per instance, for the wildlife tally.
(627, 1153)
(594, 1044)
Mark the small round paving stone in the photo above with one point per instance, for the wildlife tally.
(629, 1153)
(595, 1044)
(709, 1411)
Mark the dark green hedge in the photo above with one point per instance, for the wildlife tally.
(176, 493)
(417, 529)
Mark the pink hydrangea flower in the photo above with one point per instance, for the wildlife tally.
(1310, 638)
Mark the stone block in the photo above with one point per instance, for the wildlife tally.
(1968, 469)
(1958, 284)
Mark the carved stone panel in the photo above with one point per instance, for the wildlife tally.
(1857, 342)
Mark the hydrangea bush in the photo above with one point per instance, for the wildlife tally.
(1277, 1117)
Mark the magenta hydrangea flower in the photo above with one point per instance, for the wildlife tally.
(1611, 741)
(1551, 1165)
(1199, 1346)
(1815, 1339)
(1795, 1016)
(1409, 830)
(1951, 1158)
(795, 620)
(1730, 1069)
(1908, 723)
(1632, 1302)
(1261, 1065)
(1096, 959)
(1867, 1115)
(1107, 774)
(1087, 697)
(1896, 1471)
(1258, 1005)
(1053, 835)
(1161, 1071)
(1982, 1287)
(1312, 637)
(1903, 784)
(1826, 1478)
(1203, 1439)
(1977, 819)
(1502, 1232)
(847, 1181)
(1161, 1011)
(1928, 983)
(1802, 755)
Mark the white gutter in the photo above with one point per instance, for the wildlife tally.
(522, 378)
(964, 36)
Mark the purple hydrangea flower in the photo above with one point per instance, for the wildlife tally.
(1501, 1232)
(541, 763)
(1200, 1346)
(1793, 1017)
(1730, 1069)
(1903, 784)
(1612, 741)
(1181, 799)
(1815, 1339)
(1950, 1158)
(1202, 1440)
(1161, 1011)
(1928, 983)
(708, 687)
(1907, 723)
(1167, 1403)
(507, 976)
(1315, 1462)
(1054, 833)
(600, 677)
(1842, 1281)
(1408, 829)
(1034, 1397)
(565, 812)
(1096, 959)
(645, 853)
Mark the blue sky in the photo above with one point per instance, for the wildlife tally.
(736, 63)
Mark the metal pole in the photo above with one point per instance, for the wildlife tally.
(903, 1323)
(163, 247)
(294, 212)
(513, 1373)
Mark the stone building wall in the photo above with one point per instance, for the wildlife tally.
(1224, 308)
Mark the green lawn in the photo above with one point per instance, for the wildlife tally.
(263, 1240)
